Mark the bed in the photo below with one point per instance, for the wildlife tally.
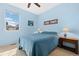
(39, 44)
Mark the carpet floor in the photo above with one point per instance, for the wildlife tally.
(11, 50)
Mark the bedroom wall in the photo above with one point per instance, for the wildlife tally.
(10, 37)
(67, 15)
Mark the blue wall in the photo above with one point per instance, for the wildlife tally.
(67, 15)
(10, 37)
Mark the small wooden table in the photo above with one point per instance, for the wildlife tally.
(69, 40)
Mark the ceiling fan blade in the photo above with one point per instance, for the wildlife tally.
(37, 4)
(29, 5)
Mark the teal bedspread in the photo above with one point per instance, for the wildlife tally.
(40, 44)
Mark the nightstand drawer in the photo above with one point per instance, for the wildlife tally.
(69, 40)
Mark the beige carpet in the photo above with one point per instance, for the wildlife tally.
(11, 50)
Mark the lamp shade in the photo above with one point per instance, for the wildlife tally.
(65, 29)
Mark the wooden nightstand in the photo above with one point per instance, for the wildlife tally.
(69, 40)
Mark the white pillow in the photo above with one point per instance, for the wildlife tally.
(38, 32)
(35, 32)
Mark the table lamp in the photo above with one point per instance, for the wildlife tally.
(65, 30)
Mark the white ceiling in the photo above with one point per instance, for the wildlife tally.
(34, 9)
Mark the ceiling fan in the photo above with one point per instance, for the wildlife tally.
(29, 4)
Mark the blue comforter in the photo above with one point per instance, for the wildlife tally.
(39, 44)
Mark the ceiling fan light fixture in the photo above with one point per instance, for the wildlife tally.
(29, 4)
(37, 4)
